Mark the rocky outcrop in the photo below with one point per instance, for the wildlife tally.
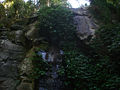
(15, 65)
(32, 33)
(25, 71)
(11, 54)
(85, 23)
(15, 45)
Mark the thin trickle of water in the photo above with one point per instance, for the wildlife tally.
(50, 58)
(61, 52)
(43, 54)
(52, 80)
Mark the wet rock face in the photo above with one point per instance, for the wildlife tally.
(11, 55)
(85, 24)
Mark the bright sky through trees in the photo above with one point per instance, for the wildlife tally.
(74, 3)
(78, 3)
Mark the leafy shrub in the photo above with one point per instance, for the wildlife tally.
(83, 73)
(80, 71)
(40, 67)
(75, 70)
(101, 11)
(56, 25)
(108, 38)
(106, 11)
(2, 10)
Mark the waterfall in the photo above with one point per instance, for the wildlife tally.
(51, 81)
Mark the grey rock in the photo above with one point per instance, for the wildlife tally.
(80, 11)
(16, 27)
(9, 69)
(7, 83)
(3, 56)
(8, 45)
(25, 86)
(3, 29)
(85, 23)
(17, 36)
(83, 28)
(32, 33)
(10, 56)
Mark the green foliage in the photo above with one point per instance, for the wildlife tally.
(29, 9)
(2, 15)
(56, 25)
(40, 67)
(101, 11)
(80, 71)
(108, 38)
(2, 11)
(13, 10)
(106, 11)
(84, 73)
(20, 9)
(60, 2)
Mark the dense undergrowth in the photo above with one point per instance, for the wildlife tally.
(93, 68)
(15, 10)
(107, 40)
(81, 71)
(55, 25)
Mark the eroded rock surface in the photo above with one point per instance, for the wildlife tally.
(85, 23)
(11, 55)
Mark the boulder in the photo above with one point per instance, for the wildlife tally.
(17, 37)
(10, 57)
(8, 69)
(7, 83)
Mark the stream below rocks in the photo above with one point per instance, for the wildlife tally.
(51, 81)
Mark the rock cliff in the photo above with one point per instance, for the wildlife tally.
(16, 44)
